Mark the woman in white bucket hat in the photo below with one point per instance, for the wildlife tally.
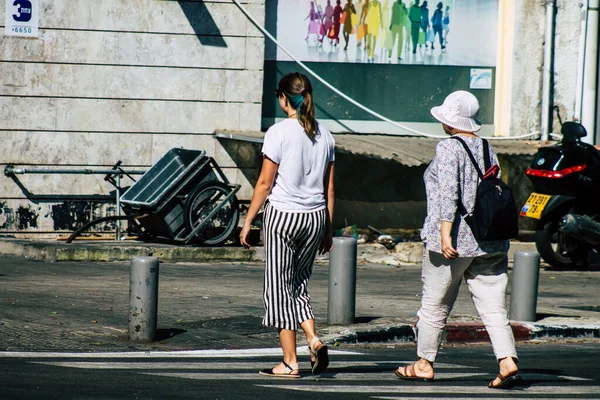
(452, 252)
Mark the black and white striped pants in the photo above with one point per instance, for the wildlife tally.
(291, 244)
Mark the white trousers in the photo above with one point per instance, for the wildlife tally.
(487, 279)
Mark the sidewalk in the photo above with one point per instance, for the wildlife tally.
(107, 250)
(83, 305)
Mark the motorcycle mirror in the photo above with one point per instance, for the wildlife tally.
(557, 109)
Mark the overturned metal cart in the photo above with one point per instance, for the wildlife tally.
(184, 197)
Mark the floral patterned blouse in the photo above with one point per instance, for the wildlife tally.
(451, 176)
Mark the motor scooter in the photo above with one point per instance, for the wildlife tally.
(565, 198)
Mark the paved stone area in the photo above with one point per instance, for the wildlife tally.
(83, 306)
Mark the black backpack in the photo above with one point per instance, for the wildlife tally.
(495, 216)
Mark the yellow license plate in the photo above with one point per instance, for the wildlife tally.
(534, 205)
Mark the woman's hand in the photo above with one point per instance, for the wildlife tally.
(261, 191)
(326, 243)
(446, 234)
(244, 236)
(447, 249)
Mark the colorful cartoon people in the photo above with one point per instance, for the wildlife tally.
(362, 28)
(436, 24)
(327, 19)
(350, 16)
(399, 13)
(314, 24)
(374, 19)
(334, 31)
(321, 17)
(446, 24)
(385, 34)
(414, 16)
(424, 18)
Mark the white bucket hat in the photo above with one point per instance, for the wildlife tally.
(459, 111)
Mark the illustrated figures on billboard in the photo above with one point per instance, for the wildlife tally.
(390, 31)
(349, 19)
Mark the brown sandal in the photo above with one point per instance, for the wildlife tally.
(320, 354)
(286, 374)
(506, 381)
(408, 373)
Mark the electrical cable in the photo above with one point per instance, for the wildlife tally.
(351, 100)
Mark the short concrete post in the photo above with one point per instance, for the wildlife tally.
(525, 278)
(143, 298)
(341, 304)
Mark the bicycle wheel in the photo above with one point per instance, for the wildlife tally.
(206, 198)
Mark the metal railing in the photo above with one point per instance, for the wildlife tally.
(113, 176)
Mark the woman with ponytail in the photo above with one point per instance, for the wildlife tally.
(296, 181)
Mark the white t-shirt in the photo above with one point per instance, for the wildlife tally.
(303, 162)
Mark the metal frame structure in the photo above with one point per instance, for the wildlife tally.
(162, 190)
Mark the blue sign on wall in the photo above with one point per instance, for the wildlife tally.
(22, 18)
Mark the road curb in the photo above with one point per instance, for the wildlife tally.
(460, 333)
(553, 331)
(49, 250)
(52, 251)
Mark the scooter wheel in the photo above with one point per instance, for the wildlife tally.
(556, 248)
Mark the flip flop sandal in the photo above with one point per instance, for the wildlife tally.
(287, 374)
(321, 356)
(410, 374)
(506, 382)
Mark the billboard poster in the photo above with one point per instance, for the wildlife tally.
(449, 33)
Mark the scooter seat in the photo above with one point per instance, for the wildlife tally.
(572, 131)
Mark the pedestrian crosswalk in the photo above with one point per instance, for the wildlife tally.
(350, 373)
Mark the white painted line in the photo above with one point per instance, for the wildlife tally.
(441, 389)
(211, 376)
(571, 378)
(156, 365)
(237, 365)
(444, 398)
(335, 371)
(476, 398)
(546, 377)
(305, 376)
(169, 354)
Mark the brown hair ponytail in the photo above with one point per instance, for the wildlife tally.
(298, 90)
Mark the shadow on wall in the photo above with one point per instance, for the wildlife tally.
(203, 23)
(67, 211)
(369, 191)
(380, 193)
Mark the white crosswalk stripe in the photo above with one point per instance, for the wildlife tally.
(476, 398)
(303, 351)
(439, 389)
(348, 374)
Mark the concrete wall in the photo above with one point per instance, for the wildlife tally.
(111, 80)
(528, 54)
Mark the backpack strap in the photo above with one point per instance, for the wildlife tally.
(487, 160)
(486, 154)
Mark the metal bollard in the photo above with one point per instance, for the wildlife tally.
(525, 278)
(143, 298)
(341, 304)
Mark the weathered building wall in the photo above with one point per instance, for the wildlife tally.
(528, 55)
(111, 80)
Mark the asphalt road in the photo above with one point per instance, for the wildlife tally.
(76, 306)
(548, 370)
